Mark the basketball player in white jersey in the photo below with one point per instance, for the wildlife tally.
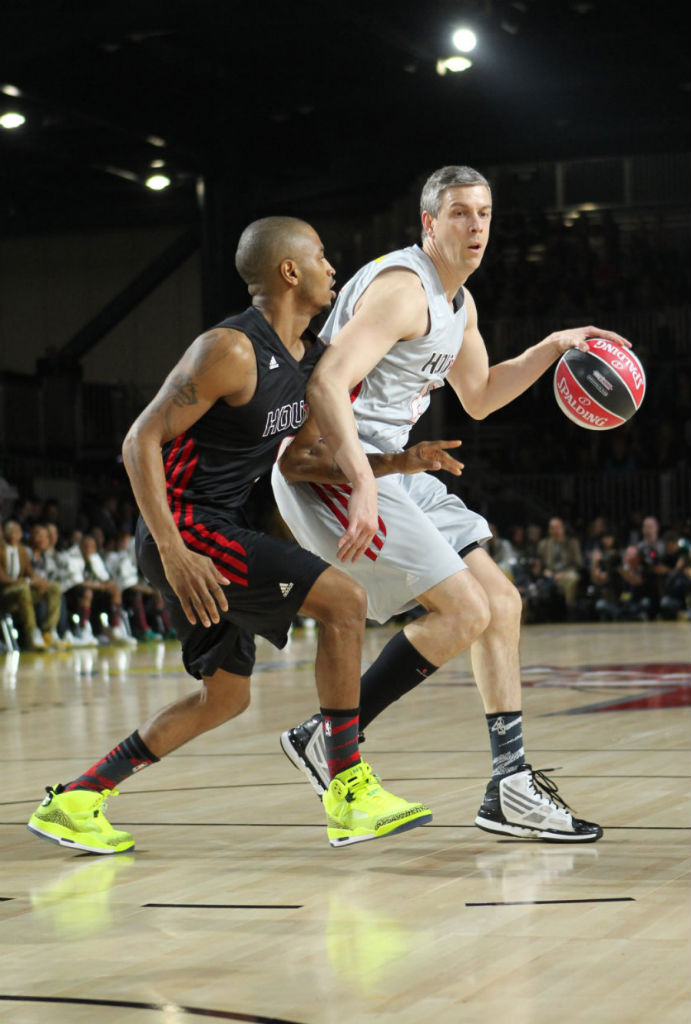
(402, 326)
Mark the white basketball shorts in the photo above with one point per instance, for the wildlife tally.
(421, 530)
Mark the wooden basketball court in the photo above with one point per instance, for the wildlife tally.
(235, 908)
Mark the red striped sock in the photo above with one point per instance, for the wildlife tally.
(341, 728)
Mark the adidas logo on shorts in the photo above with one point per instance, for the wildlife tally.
(285, 588)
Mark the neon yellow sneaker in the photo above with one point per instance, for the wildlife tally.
(357, 808)
(75, 818)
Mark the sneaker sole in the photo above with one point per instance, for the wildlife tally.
(405, 826)
(71, 844)
(505, 829)
(302, 765)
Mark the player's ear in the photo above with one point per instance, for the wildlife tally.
(289, 272)
(427, 220)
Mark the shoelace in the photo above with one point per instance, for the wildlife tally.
(542, 783)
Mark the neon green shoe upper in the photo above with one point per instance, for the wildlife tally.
(75, 818)
(358, 808)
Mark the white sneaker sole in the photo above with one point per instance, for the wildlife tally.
(521, 832)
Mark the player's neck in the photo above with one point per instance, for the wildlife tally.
(288, 323)
(451, 275)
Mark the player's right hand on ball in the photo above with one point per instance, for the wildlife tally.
(198, 584)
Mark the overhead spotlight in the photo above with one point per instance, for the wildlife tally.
(454, 64)
(10, 90)
(156, 140)
(11, 119)
(157, 163)
(157, 182)
(464, 39)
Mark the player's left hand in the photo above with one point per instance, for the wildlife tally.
(577, 337)
(429, 456)
(362, 521)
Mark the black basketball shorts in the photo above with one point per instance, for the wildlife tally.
(269, 581)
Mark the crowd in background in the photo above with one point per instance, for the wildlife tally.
(82, 587)
(602, 575)
(77, 590)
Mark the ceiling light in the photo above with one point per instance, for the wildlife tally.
(12, 119)
(157, 182)
(10, 90)
(464, 39)
(155, 140)
(453, 64)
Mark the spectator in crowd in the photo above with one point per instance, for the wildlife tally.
(605, 579)
(107, 596)
(562, 560)
(676, 593)
(27, 597)
(634, 597)
(501, 552)
(44, 562)
(652, 551)
(121, 563)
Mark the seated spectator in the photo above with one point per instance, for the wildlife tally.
(562, 560)
(107, 596)
(605, 580)
(23, 594)
(136, 593)
(652, 551)
(44, 563)
(634, 597)
(676, 596)
(501, 552)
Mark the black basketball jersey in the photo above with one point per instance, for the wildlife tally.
(214, 464)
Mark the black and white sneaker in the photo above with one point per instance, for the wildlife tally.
(527, 804)
(304, 747)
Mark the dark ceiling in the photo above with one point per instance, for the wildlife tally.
(315, 105)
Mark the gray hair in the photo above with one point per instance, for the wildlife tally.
(445, 177)
(263, 245)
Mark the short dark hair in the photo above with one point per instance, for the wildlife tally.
(262, 246)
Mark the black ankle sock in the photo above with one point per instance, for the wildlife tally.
(340, 728)
(398, 669)
(128, 757)
(506, 740)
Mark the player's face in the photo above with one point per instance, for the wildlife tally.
(461, 231)
(317, 273)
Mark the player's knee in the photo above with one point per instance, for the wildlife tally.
(506, 606)
(476, 616)
(337, 601)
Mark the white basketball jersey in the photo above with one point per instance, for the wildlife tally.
(394, 394)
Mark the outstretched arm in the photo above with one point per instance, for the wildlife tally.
(307, 459)
(482, 389)
(218, 364)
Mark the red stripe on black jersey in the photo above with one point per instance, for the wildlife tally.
(210, 547)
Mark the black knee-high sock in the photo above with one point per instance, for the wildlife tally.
(128, 757)
(398, 669)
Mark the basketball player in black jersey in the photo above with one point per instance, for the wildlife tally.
(193, 456)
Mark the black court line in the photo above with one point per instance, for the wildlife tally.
(540, 903)
(193, 1011)
(228, 906)
(6, 899)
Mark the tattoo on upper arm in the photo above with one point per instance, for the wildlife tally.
(184, 391)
